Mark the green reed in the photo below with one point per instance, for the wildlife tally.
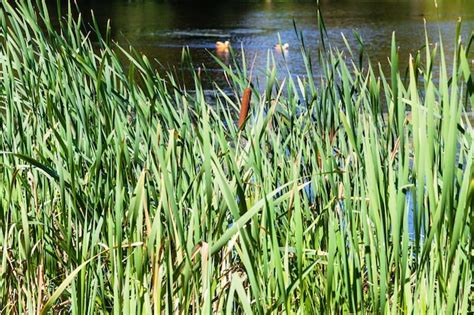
(123, 192)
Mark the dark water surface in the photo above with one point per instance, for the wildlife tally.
(161, 29)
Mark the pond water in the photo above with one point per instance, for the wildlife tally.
(160, 29)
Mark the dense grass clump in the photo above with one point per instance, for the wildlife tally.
(123, 192)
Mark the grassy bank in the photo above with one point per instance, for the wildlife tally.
(123, 192)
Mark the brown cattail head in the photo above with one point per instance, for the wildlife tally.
(244, 108)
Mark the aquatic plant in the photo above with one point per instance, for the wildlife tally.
(123, 192)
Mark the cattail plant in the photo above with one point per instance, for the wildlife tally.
(123, 192)
(244, 107)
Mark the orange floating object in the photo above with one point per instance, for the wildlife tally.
(223, 47)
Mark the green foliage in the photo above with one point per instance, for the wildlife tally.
(123, 192)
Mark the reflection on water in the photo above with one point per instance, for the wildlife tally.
(161, 29)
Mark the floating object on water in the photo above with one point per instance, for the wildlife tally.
(223, 47)
(244, 108)
(282, 47)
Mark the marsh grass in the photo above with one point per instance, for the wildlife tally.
(122, 192)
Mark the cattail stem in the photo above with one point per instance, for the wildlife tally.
(244, 108)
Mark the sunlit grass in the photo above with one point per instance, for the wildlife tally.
(122, 192)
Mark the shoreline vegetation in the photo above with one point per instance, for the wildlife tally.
(122, 192)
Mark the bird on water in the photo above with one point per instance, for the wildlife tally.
(281, 48)
(223, 47)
